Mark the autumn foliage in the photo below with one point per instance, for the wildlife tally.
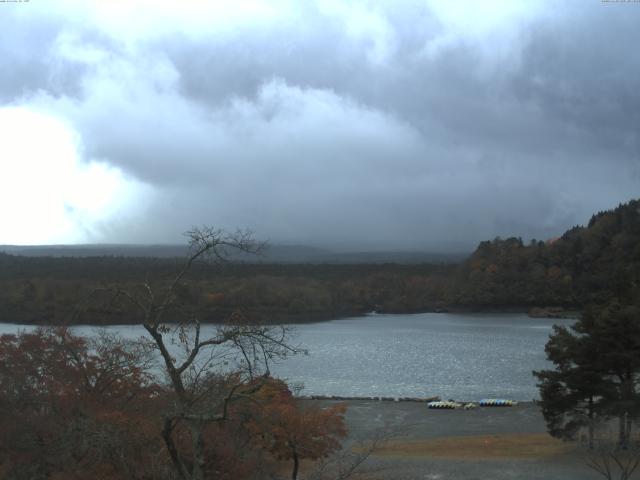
(293, 433)
(76, 408)
(70, 408)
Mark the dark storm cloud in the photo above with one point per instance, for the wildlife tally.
(376, 126)
(583, 74)
(32, 54)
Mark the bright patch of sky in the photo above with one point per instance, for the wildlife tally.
(47, 193)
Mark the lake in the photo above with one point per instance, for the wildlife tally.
(458, 356)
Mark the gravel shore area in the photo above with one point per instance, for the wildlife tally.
(482, 443)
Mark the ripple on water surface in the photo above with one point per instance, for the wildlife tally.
(450, 355)
(464, 357)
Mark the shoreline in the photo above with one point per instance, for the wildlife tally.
(340, 398)
(551, 313)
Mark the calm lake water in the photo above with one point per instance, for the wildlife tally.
(459, 356)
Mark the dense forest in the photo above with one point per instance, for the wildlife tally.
(51, 290)
(587, 264)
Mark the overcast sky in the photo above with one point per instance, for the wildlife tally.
(353, 124)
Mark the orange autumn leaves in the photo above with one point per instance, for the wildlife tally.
(72, 408)
(290, 431)
(77, 408)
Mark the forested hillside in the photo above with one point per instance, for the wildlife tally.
(49, 290)
(586, 265)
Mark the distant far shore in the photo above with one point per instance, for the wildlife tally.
(535, 312)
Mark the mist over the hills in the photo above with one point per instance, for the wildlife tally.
(271, 254)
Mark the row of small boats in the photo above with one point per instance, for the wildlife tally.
(485, 402)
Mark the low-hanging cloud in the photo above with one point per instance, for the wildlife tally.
(358, 124)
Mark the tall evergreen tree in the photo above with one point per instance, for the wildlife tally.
(597, 368)
(616, 328)
(571, 395)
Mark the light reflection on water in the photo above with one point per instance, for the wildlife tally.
(460, 356)
(450, 355)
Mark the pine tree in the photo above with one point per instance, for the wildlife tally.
(572, 394)
(617, 330)
(597, 365)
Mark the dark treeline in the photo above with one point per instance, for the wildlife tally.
(586, 265)
(49, 290)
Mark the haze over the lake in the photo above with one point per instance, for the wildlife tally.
(357, 124)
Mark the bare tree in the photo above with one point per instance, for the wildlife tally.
(350, 463)
(213, 370)
(614, 463)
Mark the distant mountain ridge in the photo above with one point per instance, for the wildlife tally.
(274, 254)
